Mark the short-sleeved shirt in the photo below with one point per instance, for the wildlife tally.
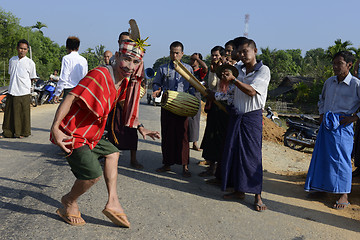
(259, 79)
(21, 72)
(87, 117)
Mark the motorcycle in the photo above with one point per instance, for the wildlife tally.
(301, 134)
(45, 91)
(3, 95)
(48, 94)
(34, 96)
(272, 116)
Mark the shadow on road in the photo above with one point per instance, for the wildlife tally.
(273, 183)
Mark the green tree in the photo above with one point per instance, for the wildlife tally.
(339, 46)
(39, 26)
(91, 58)
(99, 53)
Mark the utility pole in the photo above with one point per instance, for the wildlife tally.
(29, 28)
(247, 16)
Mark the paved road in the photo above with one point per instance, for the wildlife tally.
(34, 175)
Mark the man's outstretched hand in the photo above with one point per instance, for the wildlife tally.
(145, 132)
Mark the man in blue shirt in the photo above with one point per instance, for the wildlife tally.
(174, 128)
(330, 167)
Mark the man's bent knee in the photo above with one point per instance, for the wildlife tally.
(95, 180)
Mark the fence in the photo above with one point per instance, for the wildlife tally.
(282, 107)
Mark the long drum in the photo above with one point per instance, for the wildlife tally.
(180, 103)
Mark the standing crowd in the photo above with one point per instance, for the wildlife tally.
(99, 115)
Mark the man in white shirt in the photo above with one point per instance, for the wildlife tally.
(17, 110)
(242, 160)
(73, 68)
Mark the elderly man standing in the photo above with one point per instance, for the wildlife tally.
(73, 68)
(17, 110)
(107, 56)
(79, 125)
(174, 128)
(330, 167)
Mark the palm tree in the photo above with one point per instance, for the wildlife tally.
(39, 26)
(339, 46)
(99, 52)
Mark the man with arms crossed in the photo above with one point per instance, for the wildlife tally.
(330, 167)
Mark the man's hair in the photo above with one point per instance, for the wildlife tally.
(249, 42)
(199, 54)
(238, 41)
(177, 44)
(23, 41)
(124, 34)
(220, 49)
(231, 43)
(72, 43)
(348, 56)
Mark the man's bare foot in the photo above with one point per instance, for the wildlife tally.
(195, 147)
(136, 165)
(164, 168)
(258, 203)
(71, 211)
(234, 196)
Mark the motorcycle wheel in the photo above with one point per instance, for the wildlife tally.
(289, 143)
(277, 121)
(34, 101)
(43, 99)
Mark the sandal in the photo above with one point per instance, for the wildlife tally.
(186, 173)
(340, 206)
(136, 165)
(260, 207)
(163, 169)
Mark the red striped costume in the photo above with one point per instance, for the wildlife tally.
(87, 118)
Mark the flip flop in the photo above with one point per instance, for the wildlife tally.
(117, 218)
(61, 212)
(258, 207)
(337, 204)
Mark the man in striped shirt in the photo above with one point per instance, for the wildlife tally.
(79, 125)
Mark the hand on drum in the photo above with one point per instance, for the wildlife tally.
(211, 95)
(156, 93)
(227, 75)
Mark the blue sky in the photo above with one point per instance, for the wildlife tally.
(199, 25)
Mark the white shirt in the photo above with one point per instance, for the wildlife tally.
(73, 68)
(259, 79)
(21, 72)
